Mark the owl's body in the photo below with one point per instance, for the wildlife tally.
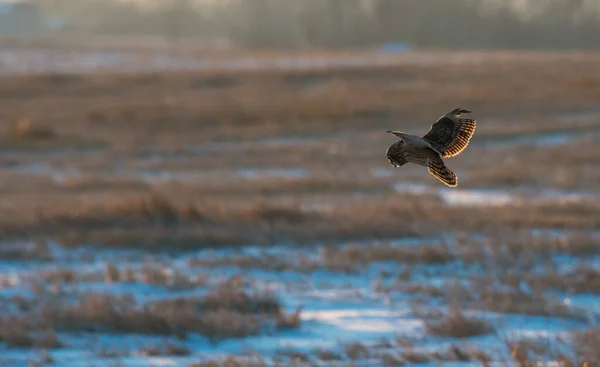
(448, 136)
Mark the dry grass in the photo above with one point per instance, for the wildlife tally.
(24, 128)
(577, 245)
(164, 276)
(347, 258)
(458, 325)
(515, 300)
(523, 353)
(587, 346)
(36, 250)
(264, 261)
(148, 273)
(357, 351)
(289, 321)
(580, 349)
(153, 209)
(152, 220)
(25, 134)
(231, 298)
(452, 354)
(294, 356)
(15, 332)
(422, 289)
(353, 257)
(225, 313)
(327, 355)
(504, 295)
(339, 116)
(165, 349)
(126, 222)
(231, 361)
(527, 352)
(579, 280)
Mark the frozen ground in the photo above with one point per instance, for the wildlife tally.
(366, 305)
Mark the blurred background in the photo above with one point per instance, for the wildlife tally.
(204, 183)
(488, 24)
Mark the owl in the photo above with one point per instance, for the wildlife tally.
(447, 137)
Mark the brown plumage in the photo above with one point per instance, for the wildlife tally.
(448, 137)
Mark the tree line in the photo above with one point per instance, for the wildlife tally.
(554, 24)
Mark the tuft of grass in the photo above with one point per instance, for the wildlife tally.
(525, 352)
(263, 261)
(17, 332)
(352, 257)
(231, 361)
(232, 298)
(420, 288)
(35, 250)
(391, 360)
(291, 214)
(112, 273)
(413, 356)
(289, 321)
(582, 279)
(59, 276)
(579, 244)
(166, 276)
(327, 355)
(293, 356)
(149, 273)
(357, 351)
(519, 302)
(157, 209)
(587, 346)
(458, 325)
(165, 349)
(454, 353)
(25, 135)
(14, 332)
(24, 128)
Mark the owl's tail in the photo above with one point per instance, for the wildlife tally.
(438, 169)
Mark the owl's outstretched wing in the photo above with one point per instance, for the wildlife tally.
(451, 134)
(438, 169)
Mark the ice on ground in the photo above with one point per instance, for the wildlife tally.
(256, 173)
(337, 308)
(44, 169)
(412, 188)
(463, 197)
(170, 176)
(549, 139)
(485, 197)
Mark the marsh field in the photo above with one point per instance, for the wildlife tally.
(237, 209)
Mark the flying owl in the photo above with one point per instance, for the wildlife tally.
(448, 136)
